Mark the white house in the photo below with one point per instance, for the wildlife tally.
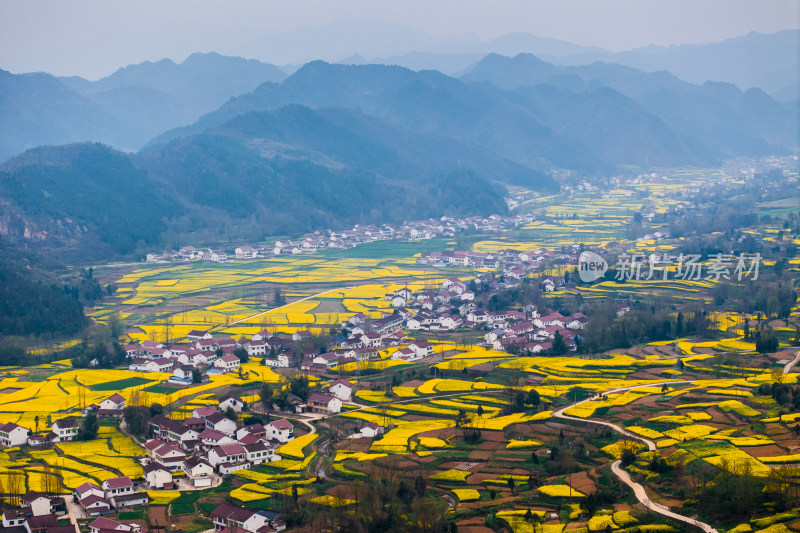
(183, 371)
(330, 360)
(168, 454)
(199, 471)
(258, 453)
(13, 435)
(371, 430)
(157, 475)
(227, 453)
(228, 517)
(14, 518)
(280, 361)
(212, 437)
(39, 504)
(422, 348)
(414, 324)
(117, 486)
(113, 403)
(232, 402)
(407, 354)
(88, 489)
(324, 403)
(204, 411)
(257, 348)
(280, 430)
(195, 335)
(227, 363)
(254, 430)
(221, 423)
(342, 389)
(106, 524)
(66, 429)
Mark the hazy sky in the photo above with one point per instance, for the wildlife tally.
(92, 38)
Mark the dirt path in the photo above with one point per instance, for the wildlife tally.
(638, 490)
(788, 367)
(645, 500)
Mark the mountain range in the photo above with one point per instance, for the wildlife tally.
(125, 109)
(770, 62)
(221, 149)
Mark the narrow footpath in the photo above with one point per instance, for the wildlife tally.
(638, 490)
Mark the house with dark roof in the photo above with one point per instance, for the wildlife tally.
(13, 435)
(259, 452)
(157, 475)
(199, 471)
(232, 402)
(371, 430)
(14, 520)
(221, 423)
(104, 524)
(256, 430)
(280, 430)
(324, 403)
(65, 429)
(210, 438)
(117, 486)
(227, 516)
(115, 402)
(94, 505)
(170, 430)
(342, 389)
(227, 363)
(36, 503)
(204, 411)
(228, 458)
(168, 454)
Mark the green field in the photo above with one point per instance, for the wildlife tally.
(120, 384)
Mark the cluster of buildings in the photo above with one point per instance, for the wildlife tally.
(208, 444)
(37, 513)
(342, 240)
(534, 335)
(61, 430)
(113, 495)
(511, 263)
(214, 354)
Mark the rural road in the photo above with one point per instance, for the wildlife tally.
(788, 367)
(638, 490)
(645, 500)
(277, 308)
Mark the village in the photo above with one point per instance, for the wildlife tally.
(343, 240)
(200, 450)
(192, 454)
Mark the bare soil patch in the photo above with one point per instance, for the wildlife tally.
(479, 455)
(765, 451)
(582, 482)
(158, 515)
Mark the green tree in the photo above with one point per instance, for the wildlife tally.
(242, 354)
(267, 396)
(628, 457)
(300, 388)
(559, 345)
(533, 399)
(89, 426)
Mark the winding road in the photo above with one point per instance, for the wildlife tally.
(638, 490)
(788, 366)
